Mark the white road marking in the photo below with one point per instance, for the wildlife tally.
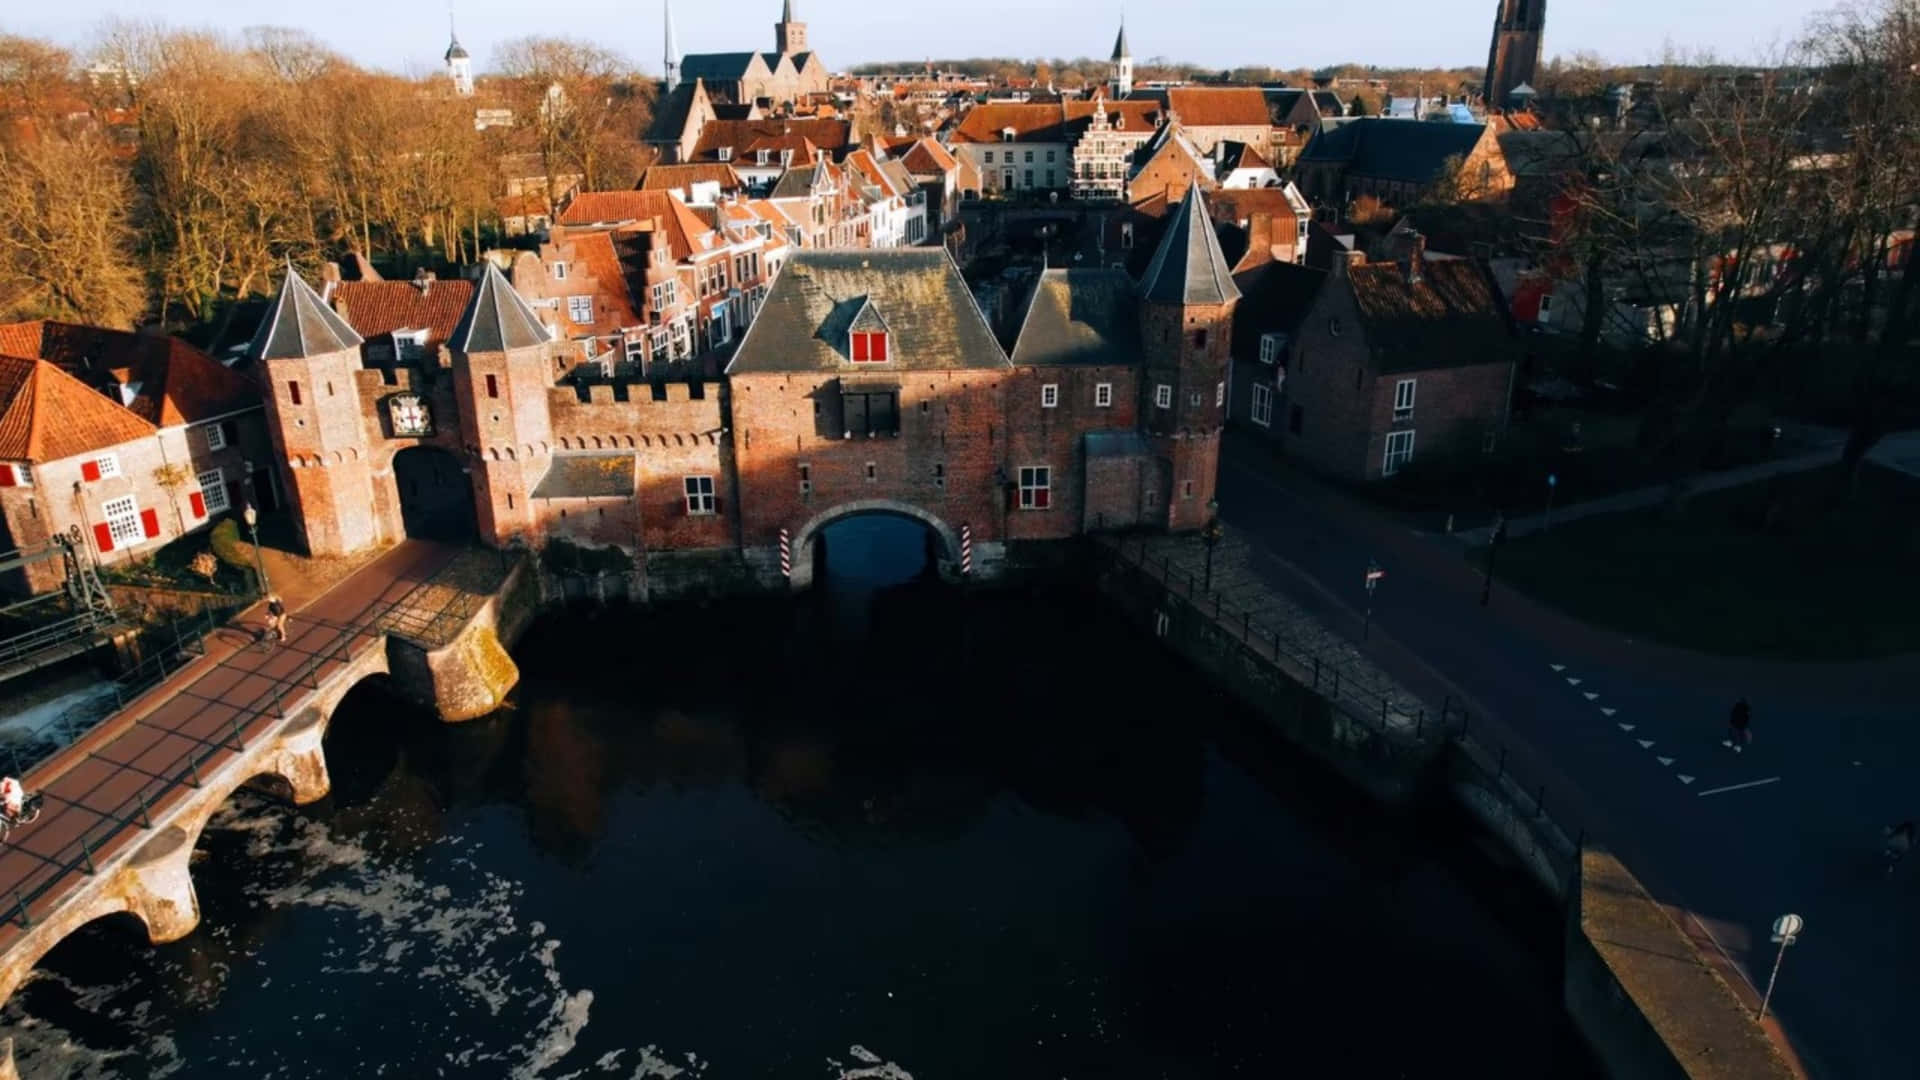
(1684, 778)
(1604, 711)
(1557, 668)
(1591, 696)
(1571, 681)
(1626, 727)
(1645, 744)
(1664, 760)
(1737, 787)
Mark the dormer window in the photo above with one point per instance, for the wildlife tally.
(869, 347)
(763, 157)
(1006, 134)
(786, 157)
(726, 153)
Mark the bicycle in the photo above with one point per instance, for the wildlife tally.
(29, 812)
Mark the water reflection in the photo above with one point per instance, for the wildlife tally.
(992, 835)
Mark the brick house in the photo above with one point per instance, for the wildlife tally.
(1398, 359)
(1031, 147)
(1275, 299)
(127, 440)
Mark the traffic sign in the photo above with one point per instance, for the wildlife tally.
(1786, 928)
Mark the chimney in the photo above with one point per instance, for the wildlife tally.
(1346, 259)
(423, 280)
(1416, 258)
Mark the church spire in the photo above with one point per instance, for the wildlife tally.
(673, 53)
(1120, 68)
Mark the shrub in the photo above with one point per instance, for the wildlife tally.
(225, 543)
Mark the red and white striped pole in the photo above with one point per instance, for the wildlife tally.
(786, 555)
(966, 550)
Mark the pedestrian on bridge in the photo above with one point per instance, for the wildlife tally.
(277, 619)
(1739, 729)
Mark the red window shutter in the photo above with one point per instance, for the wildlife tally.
(879, 349)
(6, 476)
(198, 502)
(90, 470)
(103, 537)
(859, 347)
(150, 523)
(1040, 497)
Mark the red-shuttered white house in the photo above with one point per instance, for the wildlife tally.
(127, 440)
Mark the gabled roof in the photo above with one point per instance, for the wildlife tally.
(1450, 316)
(47, 414)
(719, 67)
(931, 319)
(1239, 155)
(497, 319)
(1188, 267)
(174, 383)
(671, 114)
(299, 325)
(1276, 298)
(899, 176)
(1080, 317)
(799, 183)
(1051, 122)
(831, 134)
(374, 308)
(683, 177)
(1377, 147)
(1219, 106)
(927, 158)
(686, 234)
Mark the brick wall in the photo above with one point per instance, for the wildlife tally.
(672, 439)
(321, 443)
(1189, 350)
(1054, 437)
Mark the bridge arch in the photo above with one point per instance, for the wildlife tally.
(802, 539)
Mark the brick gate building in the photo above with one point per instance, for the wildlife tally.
(870, 381)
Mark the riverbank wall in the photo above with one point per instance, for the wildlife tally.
(1636, 986)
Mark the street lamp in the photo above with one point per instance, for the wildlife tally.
(252, 517)
(1493, 548)
(1211, 535)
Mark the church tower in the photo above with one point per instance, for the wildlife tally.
(1186, 329)
(305, 356)
(789, 37)
(1120, 68)
(459, 64)
(673, 53)
(1513, 58)
(502, 369)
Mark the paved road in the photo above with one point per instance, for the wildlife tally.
(100, 782)
(1625, 736)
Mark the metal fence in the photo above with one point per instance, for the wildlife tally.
(186, 770)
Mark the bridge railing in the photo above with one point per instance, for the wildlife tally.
(187, 769)
(48, 635)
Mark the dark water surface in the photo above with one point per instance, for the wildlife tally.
(886, 833)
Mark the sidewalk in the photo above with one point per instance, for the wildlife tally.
(1901, 452)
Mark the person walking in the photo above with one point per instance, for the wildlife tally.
(1899, 840)
(277, 619)
(1739, 729)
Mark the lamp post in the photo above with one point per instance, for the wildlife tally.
(1493, 548)
(252, 517)
(1211, 535)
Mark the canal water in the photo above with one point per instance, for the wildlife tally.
(888, 831)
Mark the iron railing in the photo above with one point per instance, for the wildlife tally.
(52, 635)
(186, 770)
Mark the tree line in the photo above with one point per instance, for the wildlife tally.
(169, 173)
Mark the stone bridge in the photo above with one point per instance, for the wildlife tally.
(125, 805)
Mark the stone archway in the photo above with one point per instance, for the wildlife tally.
(802, 540)
(435, 495)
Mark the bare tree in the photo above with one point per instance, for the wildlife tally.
(66, 241)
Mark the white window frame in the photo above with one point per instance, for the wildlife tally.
(214, 492)
(1403, 400)
(1270, 348)
(122, 516)
(559, 271)
(216, 437)
(1049, 395)
(1163, 396)
(664, 294)
(1036, 487)
(108, 464)
(1260, 410)
(698, 491)
(635, 348)
(1103, 395)
(1399, 451)
(580, 310)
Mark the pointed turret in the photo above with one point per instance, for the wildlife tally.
(673, 53)
(1120, 50)
(299, 325)
(459, 63)
(497, 319)
(1120, 68)
(1189, 267)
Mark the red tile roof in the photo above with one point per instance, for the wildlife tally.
(1055, 122)
(47, 414)
(681, 177)
(928, 157)
(613, 307)
(829, 134)
(178, 384)
(1219, 106)
(373, 308)
(686, 233)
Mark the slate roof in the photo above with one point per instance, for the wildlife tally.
(497, 319)
(1120, 45)
(1104, 444)
(1275, 297)
(1386, 149)
(670, 115)
(300, 324)
(176, 383)
(47, 414)
(1329, 103)
(918, 292)
(1080, 317)
(374, 308)
(1452, 317)
(798, 183)
(1189, 267)
(587, 476)
(1239, 155)
(720, 67)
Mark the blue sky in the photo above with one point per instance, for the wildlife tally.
(1218, 33)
